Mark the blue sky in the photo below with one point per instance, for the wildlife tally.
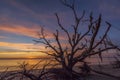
(20, 20)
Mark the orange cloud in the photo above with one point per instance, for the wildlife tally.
(22, 46)
(23, 30)
(20, 30)
(27, 31)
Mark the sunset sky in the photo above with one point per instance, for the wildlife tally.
(21, 20)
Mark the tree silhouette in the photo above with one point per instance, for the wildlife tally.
(27, 72)
(81, 46)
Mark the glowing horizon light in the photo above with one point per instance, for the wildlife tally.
(22, 55)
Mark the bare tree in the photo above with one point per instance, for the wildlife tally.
(80, 46)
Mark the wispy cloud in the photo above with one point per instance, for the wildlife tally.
(30, 11)
(3, 37)
(21, 6)
(22, 46)
(27, 31)
(20, 30)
